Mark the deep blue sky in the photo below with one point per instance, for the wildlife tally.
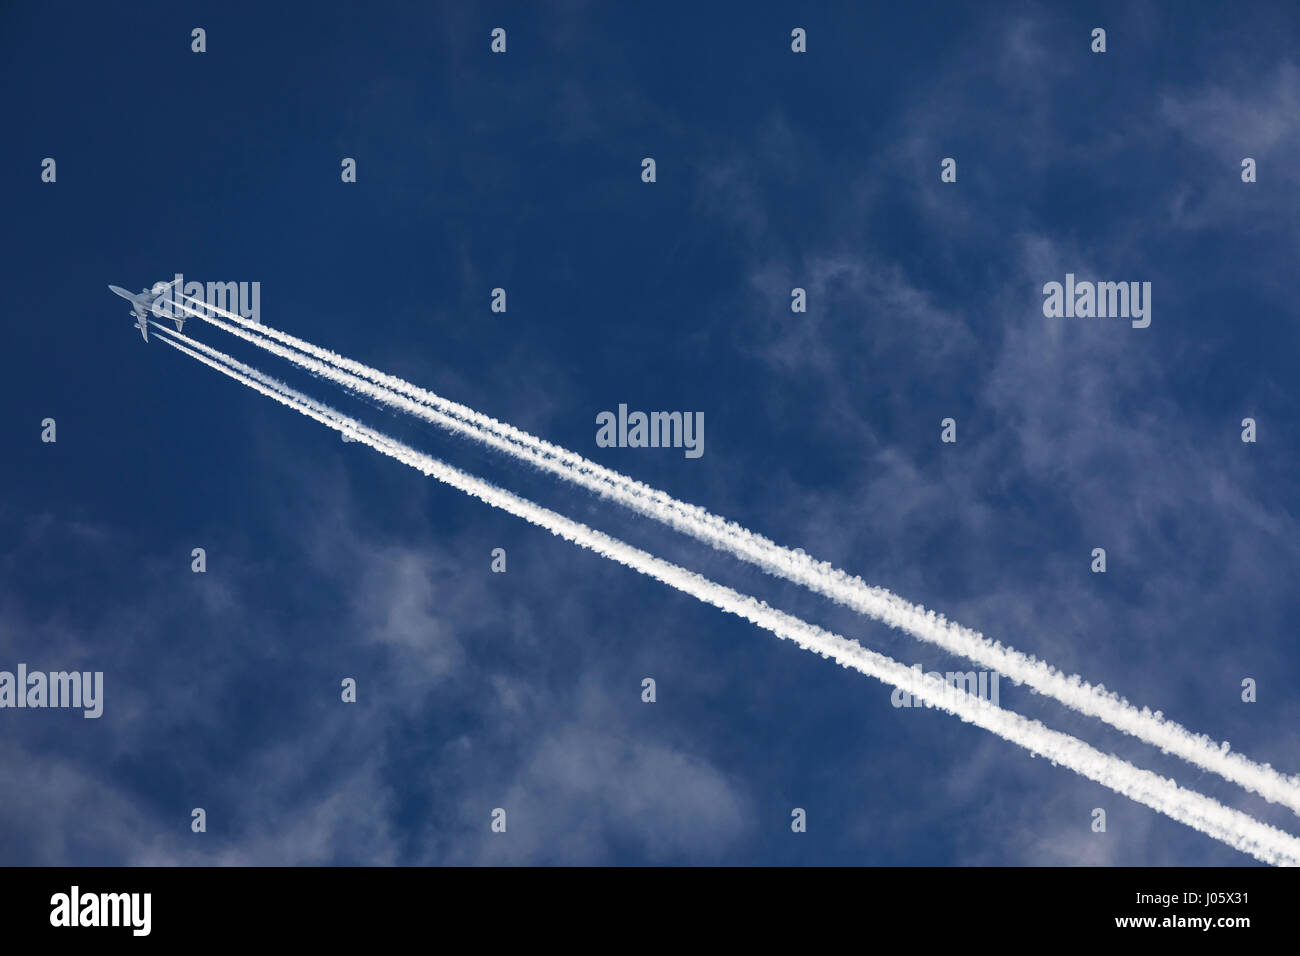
(522, 170)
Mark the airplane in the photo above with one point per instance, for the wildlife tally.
(144, 302)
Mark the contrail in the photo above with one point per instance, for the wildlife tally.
(792, 565)
(1202, 813)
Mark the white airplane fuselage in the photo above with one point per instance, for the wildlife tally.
(143, 302)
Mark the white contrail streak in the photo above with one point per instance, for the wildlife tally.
(795, 566)
(1236, 829)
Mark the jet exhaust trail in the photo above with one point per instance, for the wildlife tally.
(1202, 813)
(795, 566)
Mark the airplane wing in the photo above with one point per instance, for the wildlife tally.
(168, 291)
